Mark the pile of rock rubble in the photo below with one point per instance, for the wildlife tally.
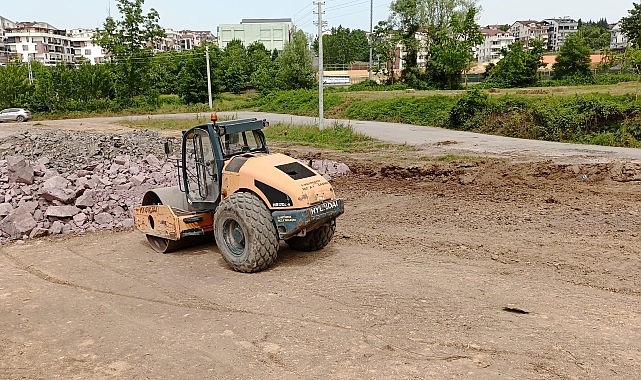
(60, 182)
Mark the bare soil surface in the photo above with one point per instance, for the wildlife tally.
(479, 268)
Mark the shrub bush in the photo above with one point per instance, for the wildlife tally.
(474, 102)
(431, 110)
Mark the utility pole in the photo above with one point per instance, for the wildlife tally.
(30, 70)
(321, 67)
(211, 106)
(371, 31)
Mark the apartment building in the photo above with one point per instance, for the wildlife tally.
(273, 33)
(192, 38)
(4, 48)
(559, 29)
(39, 41)
(84, 48)
(171, 42)
(527, 31)
(495, 41)
(619, 40)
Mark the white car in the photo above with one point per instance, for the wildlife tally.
(14, 114)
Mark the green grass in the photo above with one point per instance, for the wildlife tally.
(337, 137)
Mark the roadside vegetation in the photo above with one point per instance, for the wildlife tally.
(578, 115)
(579, 104)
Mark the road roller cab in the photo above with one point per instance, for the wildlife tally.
(233, 190)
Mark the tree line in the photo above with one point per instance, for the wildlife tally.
(438, 36)
(134, 77)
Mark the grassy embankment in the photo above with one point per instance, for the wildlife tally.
(605, 115)
(337, 137)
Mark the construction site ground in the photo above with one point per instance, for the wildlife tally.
(458, 268)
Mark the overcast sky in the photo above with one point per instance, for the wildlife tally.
(207, 15)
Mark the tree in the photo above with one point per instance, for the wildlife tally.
(384, 42)
(128, 43)
(164, 69)
(631, 25)
(14, 84)
(295, 64)
(408, 17)
(451, 53)
(518, 68)
(344, 46)
(235, 67)
(263, 69)
(257, 56)
(192, 78)
(444, 31)
(573, 59)
(596, 36)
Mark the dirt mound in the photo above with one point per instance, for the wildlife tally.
(500, 171)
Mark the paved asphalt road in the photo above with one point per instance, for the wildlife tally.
(433, 140)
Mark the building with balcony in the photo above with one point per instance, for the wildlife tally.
(171, 42)
(192, 38)
(559, 29)
(84, 48)
(39, 41)
(273, 33)
(495, 41)
(529, 30)
(618, 40)
(4, 48)
(183, 40)
(42, 42)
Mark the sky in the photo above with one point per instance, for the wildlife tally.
(354, 14)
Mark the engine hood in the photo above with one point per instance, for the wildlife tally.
(281, 181)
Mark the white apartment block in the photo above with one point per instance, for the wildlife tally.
(84, 48)
(42, 42)
(273, 33)
(530, 30)
(559, 29)
(618, 39)
(495, 41)
(39, 41)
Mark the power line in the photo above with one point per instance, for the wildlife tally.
(304, 9)
(334, 17)
(347, 5)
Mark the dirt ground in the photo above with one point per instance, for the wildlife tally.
(477, 269)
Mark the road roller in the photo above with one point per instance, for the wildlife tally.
(232, 191)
